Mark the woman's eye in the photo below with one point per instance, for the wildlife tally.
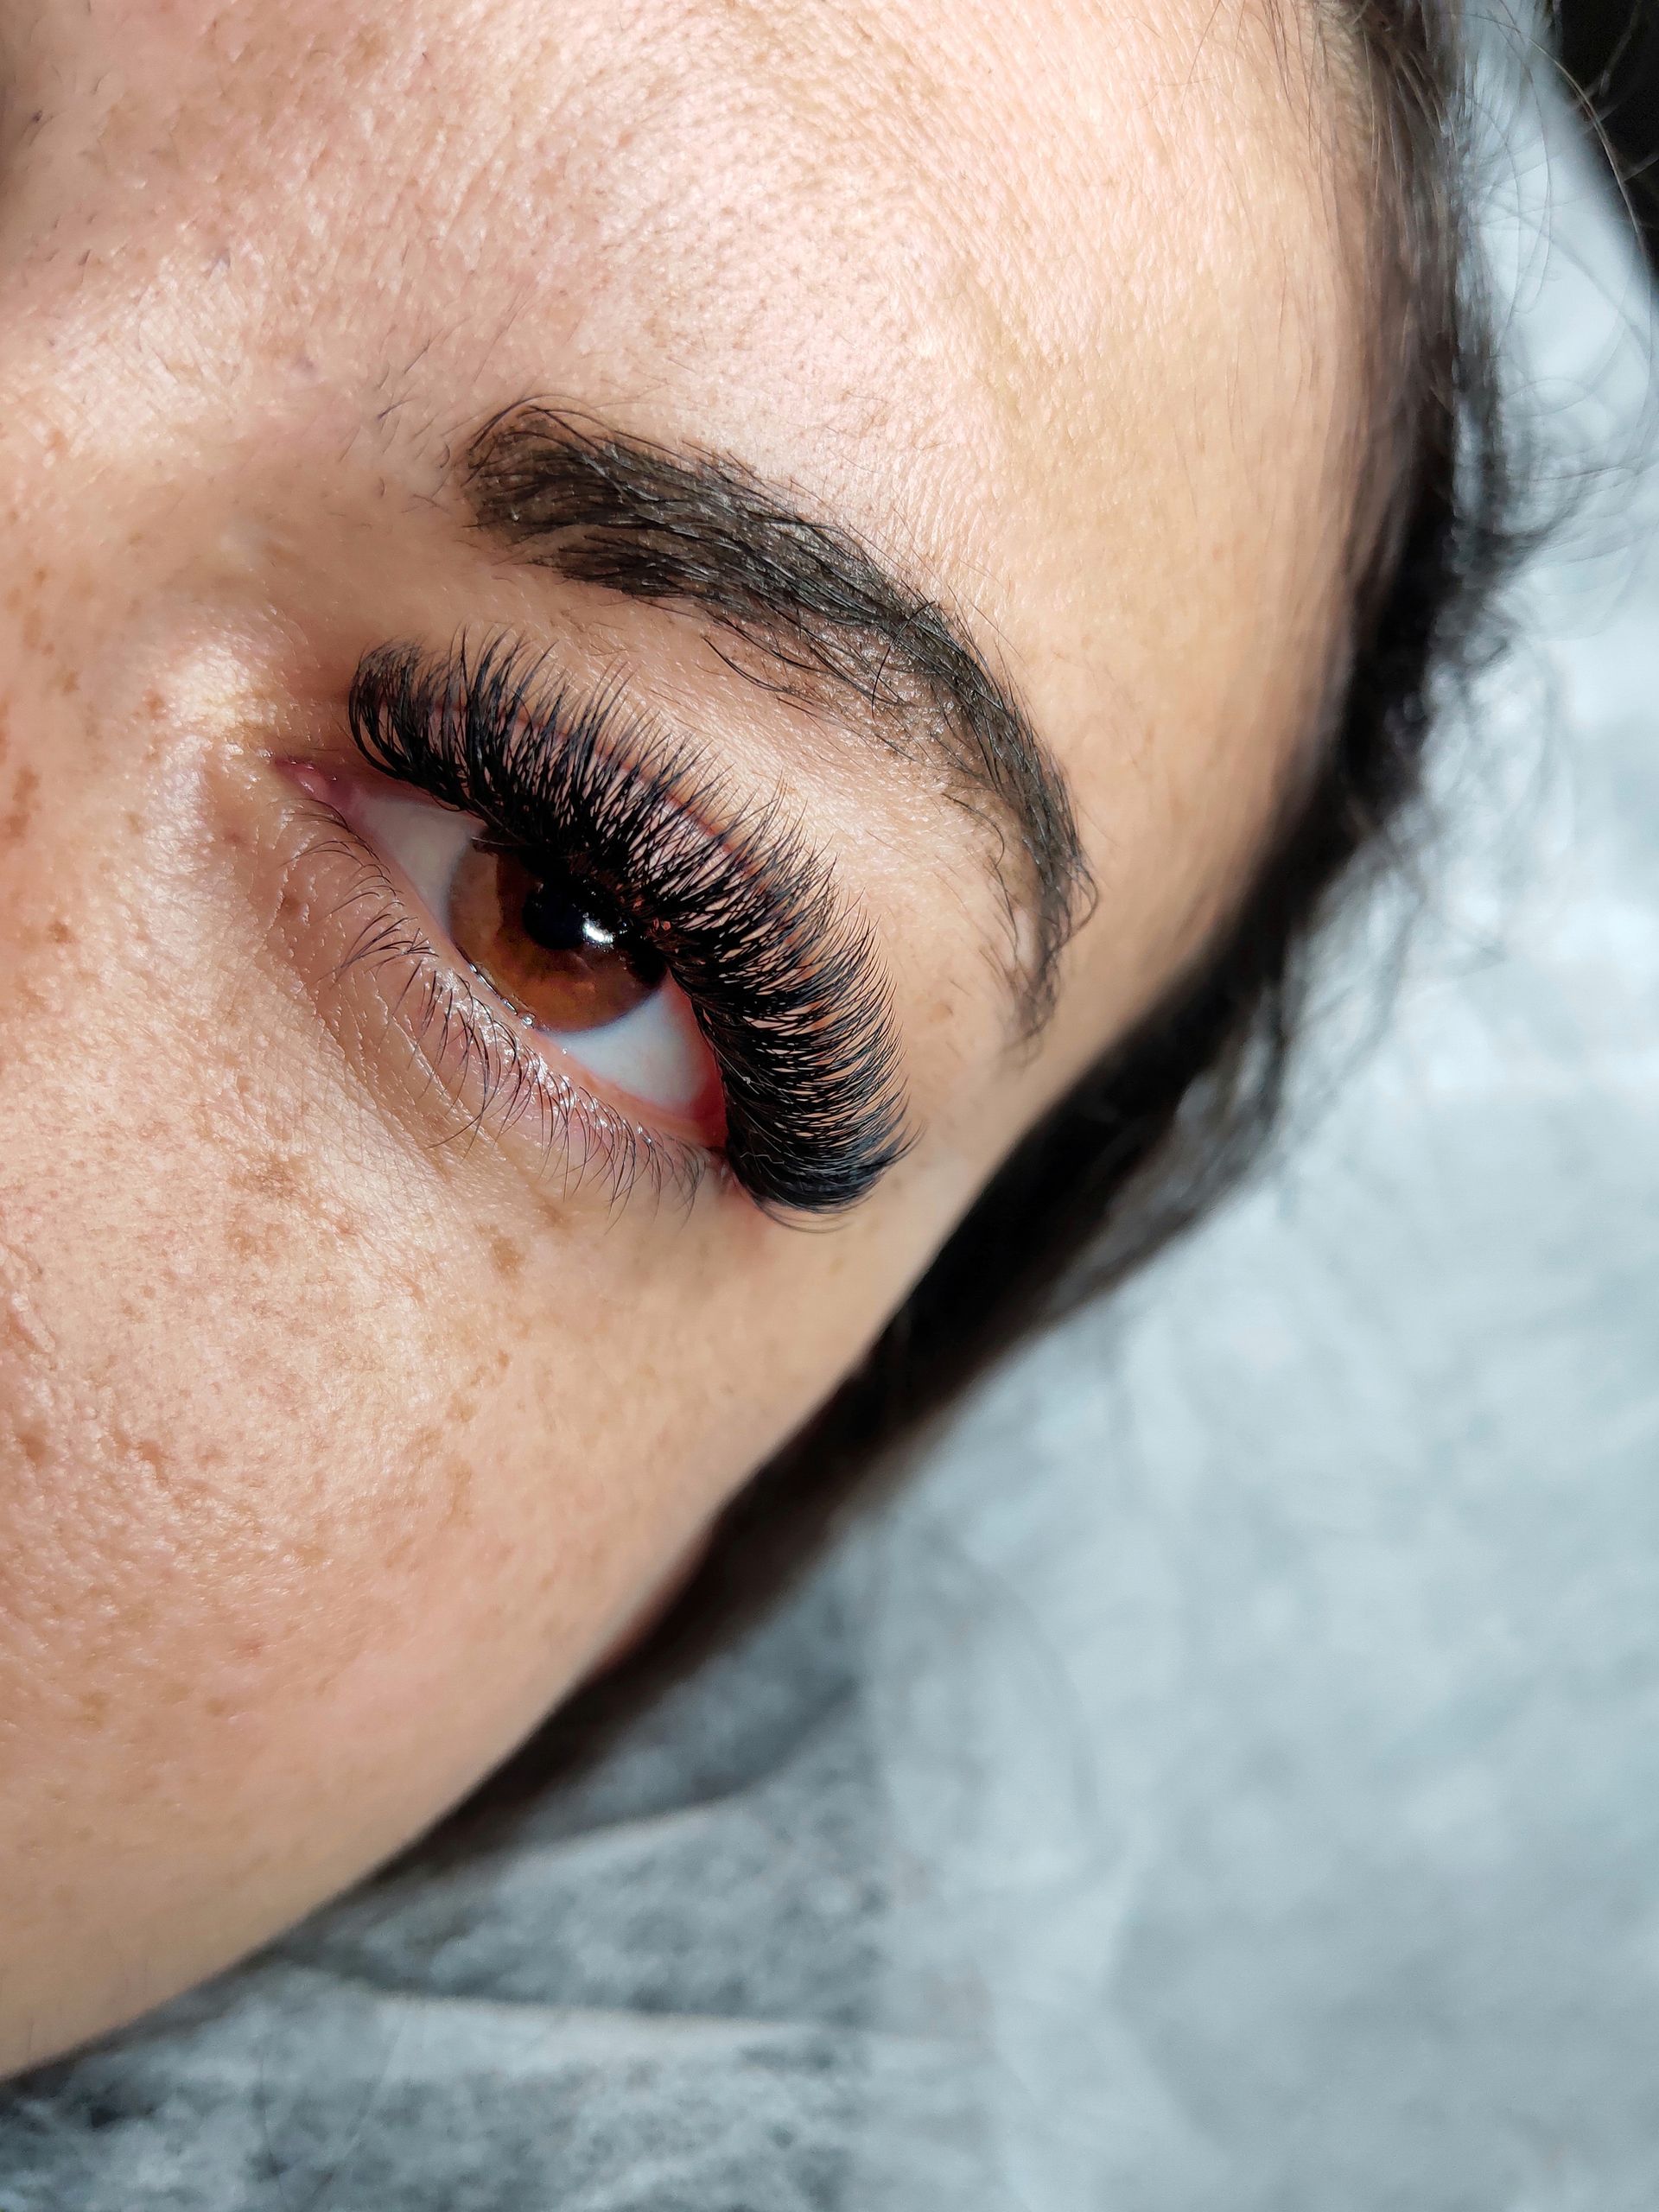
(540, 943)
(542, 946)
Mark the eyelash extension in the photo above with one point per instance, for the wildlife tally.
(787, 990)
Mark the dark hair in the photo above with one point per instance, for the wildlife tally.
(1170, 1120)
(1172, 1117)
(1176, 1114)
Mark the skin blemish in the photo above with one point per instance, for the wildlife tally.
(457, 1489)
(253, 1240)
(92, 1709)
(506, 1256)
(15, 826)
(279, 1175)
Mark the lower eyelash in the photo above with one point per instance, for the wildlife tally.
(485, 1064)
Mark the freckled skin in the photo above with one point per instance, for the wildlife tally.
(507, 1258)
(14, 826)
(339, 1436)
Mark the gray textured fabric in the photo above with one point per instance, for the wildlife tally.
(1228, 1777)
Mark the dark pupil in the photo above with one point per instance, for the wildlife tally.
(555, 917)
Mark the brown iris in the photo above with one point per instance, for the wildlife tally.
(539, 943)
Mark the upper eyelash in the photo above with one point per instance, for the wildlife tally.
(786, 986)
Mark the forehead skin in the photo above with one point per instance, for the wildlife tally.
(328, 1462)
(1043, 299)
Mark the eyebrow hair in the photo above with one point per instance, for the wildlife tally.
(699, 530)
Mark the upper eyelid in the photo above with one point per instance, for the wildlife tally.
(629, 749)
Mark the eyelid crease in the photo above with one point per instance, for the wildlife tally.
(785, 982)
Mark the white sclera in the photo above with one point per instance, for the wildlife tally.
(655, 1052)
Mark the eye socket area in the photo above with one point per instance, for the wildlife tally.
(590, 991)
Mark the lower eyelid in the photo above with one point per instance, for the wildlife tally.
(429, 841)
(475, 1070)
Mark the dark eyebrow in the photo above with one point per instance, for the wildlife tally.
(699, 530)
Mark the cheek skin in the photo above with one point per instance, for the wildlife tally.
(330, 1451)
(328, 1460)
